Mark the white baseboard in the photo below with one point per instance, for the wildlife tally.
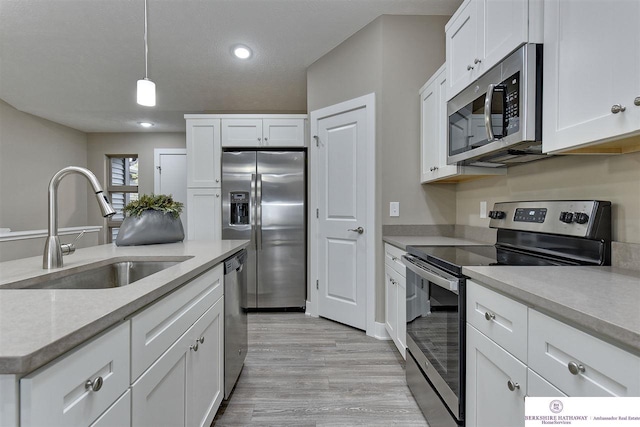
(381, 332)
(307, 309)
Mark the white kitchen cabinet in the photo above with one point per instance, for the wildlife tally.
(184, 387)
(433, 137)
(483, 32)
(204, 215)
(591, 76)
(76, 388)
(496, 384)
(578, 363)
(539, 387)
(263, 132)
(203, 153)
(119, 414)
(395, 297)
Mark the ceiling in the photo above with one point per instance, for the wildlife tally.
(76, 62)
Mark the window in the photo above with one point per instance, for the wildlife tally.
(122, 188)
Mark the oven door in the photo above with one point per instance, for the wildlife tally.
(435, 330)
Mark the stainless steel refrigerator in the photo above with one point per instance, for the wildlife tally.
(264, 200)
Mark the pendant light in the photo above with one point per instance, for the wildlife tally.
(146, 93)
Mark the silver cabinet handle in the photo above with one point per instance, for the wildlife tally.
(433, 168)
(616, 108)
(469, 67)
(575, 368)
(393, 281)
(489, 316)
(513, 386)
(394, 258)
(94, 385)
(477, 61)
(201, 340)
(217, 195)
(259, 139)
(194, 347)
(265, 139)
(217, 180)
(358, 230)
(636, 101)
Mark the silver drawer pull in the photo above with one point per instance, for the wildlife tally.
(201, 340)
(489, 316)
(575, 368)
(636, 101)
(617, 108)
(394, 258)
(94, 385)
(513, 386)
(194, 347)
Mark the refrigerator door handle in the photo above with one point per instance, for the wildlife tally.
(259, 211)
(253, 209)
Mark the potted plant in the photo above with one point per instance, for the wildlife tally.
(153, 218)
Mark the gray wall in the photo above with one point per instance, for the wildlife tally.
(393, 56)
(613, 178)
(142, 144)
(32, 150)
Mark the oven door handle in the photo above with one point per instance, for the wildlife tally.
(441, 279)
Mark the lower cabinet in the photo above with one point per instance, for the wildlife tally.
(119, 414)
(496, 384)
(204, 213)
(395, 297)
(184, 387)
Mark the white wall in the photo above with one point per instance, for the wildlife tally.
(32, 150)
(393, 56)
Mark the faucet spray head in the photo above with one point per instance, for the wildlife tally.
(105, 207)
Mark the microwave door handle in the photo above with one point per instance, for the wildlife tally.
(488, 100)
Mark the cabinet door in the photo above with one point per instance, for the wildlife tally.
(159, 395)
(119, 414)
(591, 52)
(402, 316)
(283, 132)
(391, 302)
(490, 373)
(539, 387)
(203, 153)
(242, 132)
(204, 216)
(463, 40)
(56, 395)
(505, 27)
(205, 373)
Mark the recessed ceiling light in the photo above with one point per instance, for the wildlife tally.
(242, 52)
(145, 124)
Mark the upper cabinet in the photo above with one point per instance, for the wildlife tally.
(483, 32)
(433, 137)
(263, 132)
(591, 76)
(203, 153)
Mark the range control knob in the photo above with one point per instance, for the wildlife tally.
(566, 217)
(581, 217)
(497, 214)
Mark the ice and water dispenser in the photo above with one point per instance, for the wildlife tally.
(239, 207)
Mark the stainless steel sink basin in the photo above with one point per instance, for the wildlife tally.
(113, 275)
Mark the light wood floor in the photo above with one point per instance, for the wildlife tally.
(304, 371)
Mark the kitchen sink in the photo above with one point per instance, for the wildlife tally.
(113, 275)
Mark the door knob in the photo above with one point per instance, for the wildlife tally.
(358, 230)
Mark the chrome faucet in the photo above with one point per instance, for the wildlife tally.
(53, 250)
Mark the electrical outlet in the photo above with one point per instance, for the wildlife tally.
(483, 209)
(394, 209)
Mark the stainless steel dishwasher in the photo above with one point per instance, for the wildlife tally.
(235, 319)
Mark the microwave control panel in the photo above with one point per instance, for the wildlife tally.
(512, 103)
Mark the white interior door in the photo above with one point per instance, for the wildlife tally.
(171, 176)
(344, 151)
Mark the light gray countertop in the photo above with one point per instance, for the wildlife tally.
(38, 325)
(403, 241)
(603, 301)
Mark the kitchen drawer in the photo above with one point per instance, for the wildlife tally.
(393, 258)
(603, 369)
(55, 395)
(119, 414)
(154, 329)
(539, 387)
(498, 317)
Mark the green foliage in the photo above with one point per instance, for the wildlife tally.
(160, 202)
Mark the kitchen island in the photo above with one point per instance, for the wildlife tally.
(137, 329)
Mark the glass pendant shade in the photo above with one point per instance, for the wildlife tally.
(146, 93)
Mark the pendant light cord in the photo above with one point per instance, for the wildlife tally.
(146, 45)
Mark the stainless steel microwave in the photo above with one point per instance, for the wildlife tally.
(498, 119)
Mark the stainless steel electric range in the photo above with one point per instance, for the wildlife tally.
(543, 233)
